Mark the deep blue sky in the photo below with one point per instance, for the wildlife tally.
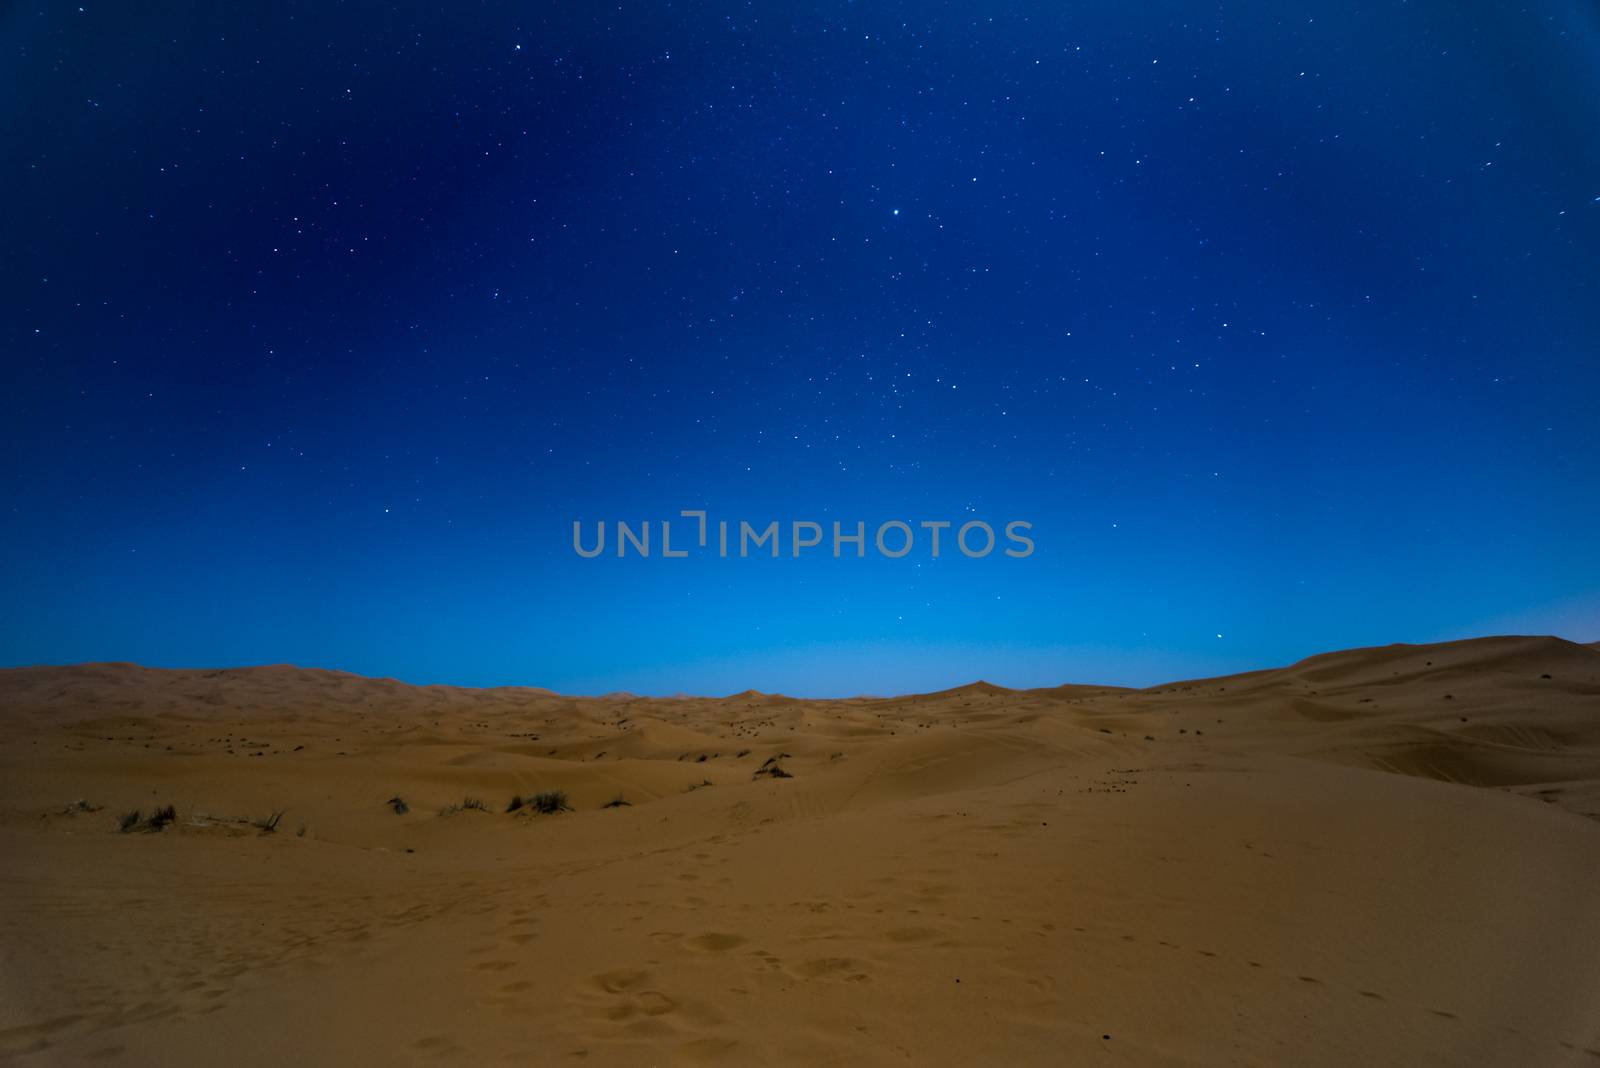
(1280, 322)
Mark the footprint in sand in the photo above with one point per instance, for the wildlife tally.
(632, 1002)
(619, 982)
(643, 1002)
(845, 968)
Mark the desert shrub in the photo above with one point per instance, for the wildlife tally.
(550, 802)
(129, 821)
(468, 804)
(399, 805)
(161, 817)
(270, 824)
(618, 802)
(515, 803)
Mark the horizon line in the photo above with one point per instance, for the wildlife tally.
(752, 691)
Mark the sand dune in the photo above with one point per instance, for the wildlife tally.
(1379, 856)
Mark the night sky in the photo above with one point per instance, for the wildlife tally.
(323, 322)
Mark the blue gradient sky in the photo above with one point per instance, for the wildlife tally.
(1279, 322)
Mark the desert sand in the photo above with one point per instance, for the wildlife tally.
(1384, 856)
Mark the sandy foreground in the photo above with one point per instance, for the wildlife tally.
(1383, 856)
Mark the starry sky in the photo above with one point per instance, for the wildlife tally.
(323, 322)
